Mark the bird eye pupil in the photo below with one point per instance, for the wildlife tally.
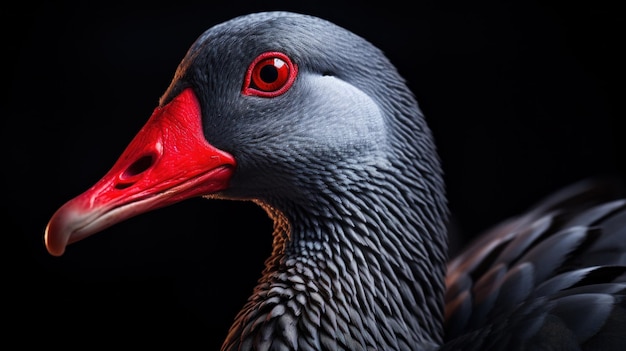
(269, 73)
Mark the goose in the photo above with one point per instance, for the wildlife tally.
(315, 125)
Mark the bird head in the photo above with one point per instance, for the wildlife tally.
(275, 107)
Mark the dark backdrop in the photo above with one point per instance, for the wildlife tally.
(523, 99)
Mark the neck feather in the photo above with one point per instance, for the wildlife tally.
(354, 274)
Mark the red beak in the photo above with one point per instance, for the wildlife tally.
(168, 161)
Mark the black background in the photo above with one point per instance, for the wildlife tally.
(523, 99)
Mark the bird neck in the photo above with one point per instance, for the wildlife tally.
(358, 273)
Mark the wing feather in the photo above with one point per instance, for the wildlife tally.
(556, 274)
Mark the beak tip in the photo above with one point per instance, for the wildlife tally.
(58, 231)
(54, 247)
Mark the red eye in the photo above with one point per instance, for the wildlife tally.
(269, 75)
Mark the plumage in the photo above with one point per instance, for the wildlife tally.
(316, 126)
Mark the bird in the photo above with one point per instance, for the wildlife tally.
(315, 125)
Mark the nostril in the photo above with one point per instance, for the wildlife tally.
(127, 178)
(138, 167)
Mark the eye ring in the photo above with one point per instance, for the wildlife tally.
(269, 75)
